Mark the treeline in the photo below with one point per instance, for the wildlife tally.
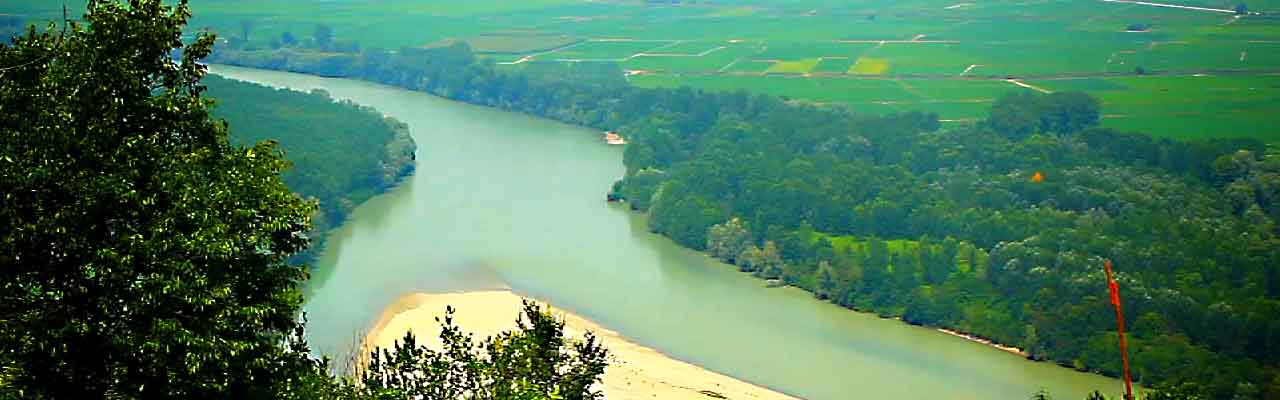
(342, 153)
(997, 228)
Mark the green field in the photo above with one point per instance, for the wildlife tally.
(913, 52)
(794, 67)
(516, 43)
(836, 65)
(711, 59)
(598, 50)
(870, 66)
(1193, 107)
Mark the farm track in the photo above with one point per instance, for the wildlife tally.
(1182, 7)
(530, 57)
(1028, 86)
(1019, 77)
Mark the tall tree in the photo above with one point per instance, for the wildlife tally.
(288, 39)
(729, 239)
(144, 255)
(141, 254)
(323, 36)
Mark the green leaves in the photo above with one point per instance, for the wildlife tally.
(535, 361)
(145, 255)
(342, 154)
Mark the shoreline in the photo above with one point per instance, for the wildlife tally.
(634, 371)
(963, 335)
(981, 340)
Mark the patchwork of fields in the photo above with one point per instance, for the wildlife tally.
(1167, 71)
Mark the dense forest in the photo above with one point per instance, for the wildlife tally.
(145, 254)
(997, 228)
(342, 153)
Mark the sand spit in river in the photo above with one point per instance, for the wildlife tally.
(634, 372)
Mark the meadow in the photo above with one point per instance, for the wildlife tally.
(951, 57)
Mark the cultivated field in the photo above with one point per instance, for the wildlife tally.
(1169, 71)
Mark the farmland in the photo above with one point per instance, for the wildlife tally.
(1168, 71)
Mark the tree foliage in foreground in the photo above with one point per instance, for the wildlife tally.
(144, 255)
(535, 361)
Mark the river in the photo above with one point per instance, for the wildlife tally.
(504, 200)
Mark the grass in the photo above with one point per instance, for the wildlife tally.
(845, 243)
(770, 44)
(838, 65)
(604, 50)
(927, 58)
(1196, 107)
(794, 67)
(1186, 107)
(709, 62)
(797, 50)
(693, 47)
(1082, 84)
(870, 66)
(517, 43)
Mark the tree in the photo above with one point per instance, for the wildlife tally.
(750, 259)
(288, 40)
(1041, 395)
(323, 36)
(246, 27)
(1069, 112)
(142, 254)
(770, 263)
(1014, 115)
(826, 281)
(1031, 343)
(727, 240)
(795, 172)
(535, 361)
(1181, 391)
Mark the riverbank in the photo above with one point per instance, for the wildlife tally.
(981, 340)
(458, 230)
(634, 372)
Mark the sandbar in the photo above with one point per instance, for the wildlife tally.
(634, 371)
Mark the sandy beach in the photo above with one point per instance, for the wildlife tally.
(987, 342)
(634, 372)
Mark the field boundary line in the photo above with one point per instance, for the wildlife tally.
(702, 54)
(530, 57)
(1002, 77)
(1029, 86)
(1146, 3)
(890, 41)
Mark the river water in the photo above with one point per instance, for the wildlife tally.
(504, 200)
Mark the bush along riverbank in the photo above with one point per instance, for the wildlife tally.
(997, 228)
(342, 153)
